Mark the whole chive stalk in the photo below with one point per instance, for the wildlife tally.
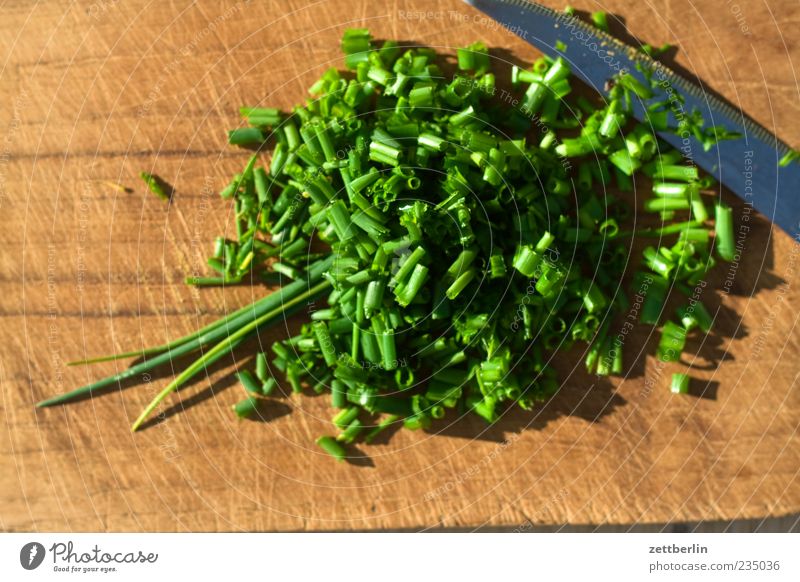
(225, 347)
(280, 302)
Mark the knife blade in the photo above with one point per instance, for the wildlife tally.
(748, 166)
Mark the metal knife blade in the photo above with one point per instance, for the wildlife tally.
(747, 166)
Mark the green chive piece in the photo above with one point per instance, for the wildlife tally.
(269, 385)
(325, 342)
(249, 382)
(600, 20)
(673, 338)
(725, 245)
(331, 446)
(155, 185)
(246, 136)
(382, 426)
(246, 408)
(680, 384)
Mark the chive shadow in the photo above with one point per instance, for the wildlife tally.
(581, 395)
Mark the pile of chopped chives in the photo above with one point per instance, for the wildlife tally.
(457, 241)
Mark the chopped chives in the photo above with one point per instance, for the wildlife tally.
(435, 270)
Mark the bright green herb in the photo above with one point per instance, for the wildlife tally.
(456, 242)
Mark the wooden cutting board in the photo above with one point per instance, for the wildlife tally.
(100, 91)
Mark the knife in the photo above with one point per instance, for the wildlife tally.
(748, 166)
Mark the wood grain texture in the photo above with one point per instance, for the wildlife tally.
(99, 91)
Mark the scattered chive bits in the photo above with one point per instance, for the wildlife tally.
(450, 243)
